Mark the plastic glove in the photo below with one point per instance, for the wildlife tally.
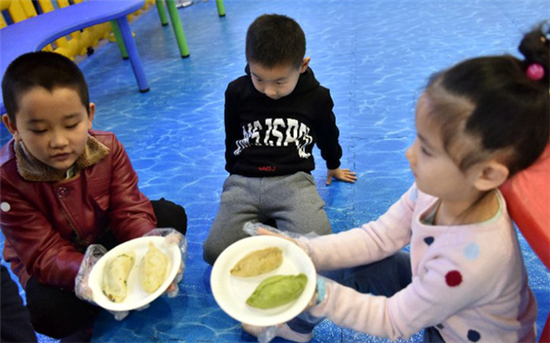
(172, 236)
(268, 335)
(81, 288)
(258, 229)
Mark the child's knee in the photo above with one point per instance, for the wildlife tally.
(210, 252)
(170, 214)
(318, 224)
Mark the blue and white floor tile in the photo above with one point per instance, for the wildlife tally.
(374, 55)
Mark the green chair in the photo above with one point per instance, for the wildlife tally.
(176, 22)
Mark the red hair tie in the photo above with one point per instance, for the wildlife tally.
(535, 72)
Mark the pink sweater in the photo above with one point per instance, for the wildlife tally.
(469, 281)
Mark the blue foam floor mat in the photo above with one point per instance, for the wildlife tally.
(374, 55)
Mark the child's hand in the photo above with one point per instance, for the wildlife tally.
(265, 232)
(341, 174)
(82, 289)
(259, 229)
(173, 289)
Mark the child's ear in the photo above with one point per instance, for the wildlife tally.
(492, 175)
(305, 65)
(11, 126)
(91, 115)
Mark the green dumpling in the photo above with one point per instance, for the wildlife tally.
(277, 290)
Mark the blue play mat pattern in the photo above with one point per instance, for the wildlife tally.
(374, 55)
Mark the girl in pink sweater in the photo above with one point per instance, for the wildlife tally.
(478, 123)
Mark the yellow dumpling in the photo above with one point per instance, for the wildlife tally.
(152, 269)
(115, 276)
(258, 262)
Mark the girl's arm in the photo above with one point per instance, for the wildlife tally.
(426, 302)
(466, 280)
(372, 242)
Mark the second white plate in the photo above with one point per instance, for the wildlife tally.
(231, 292)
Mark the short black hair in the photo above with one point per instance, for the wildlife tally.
(273, 40)
(48, 70)
(494, 100)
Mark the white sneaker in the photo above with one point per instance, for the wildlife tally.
(283, 331)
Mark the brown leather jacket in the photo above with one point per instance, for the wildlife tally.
(48, 223)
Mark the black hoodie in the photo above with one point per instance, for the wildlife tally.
(266, 137)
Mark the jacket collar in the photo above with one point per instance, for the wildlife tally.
(31, 169)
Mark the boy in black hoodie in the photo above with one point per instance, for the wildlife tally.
(273, 117)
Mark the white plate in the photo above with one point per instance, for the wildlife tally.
(136, 296)
(231, 291)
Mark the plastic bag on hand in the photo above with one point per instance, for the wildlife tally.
(268, 335)
(173, 236)
(252, 229)
(81, 288)
(297, 238)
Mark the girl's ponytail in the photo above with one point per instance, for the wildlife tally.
(535, 47)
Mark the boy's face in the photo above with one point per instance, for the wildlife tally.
(53, 126)
(276, 82)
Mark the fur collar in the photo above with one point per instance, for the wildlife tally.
(32, 169)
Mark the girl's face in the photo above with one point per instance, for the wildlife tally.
(52, 125)
(434, 170)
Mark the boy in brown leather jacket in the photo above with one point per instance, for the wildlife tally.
(64, 187)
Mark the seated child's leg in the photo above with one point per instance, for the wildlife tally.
(431, 335)
(304, 324)
(283, 331)
(385, 277)
(295, 204)
(57, 313)
(15, 322)
(169, 215)
(238, 205)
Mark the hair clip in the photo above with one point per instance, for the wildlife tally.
(535, 71)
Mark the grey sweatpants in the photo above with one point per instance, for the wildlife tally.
(291, 201)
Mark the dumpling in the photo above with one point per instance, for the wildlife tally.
(277, 290)
(152, 269)
(115, 276)
(258, 262)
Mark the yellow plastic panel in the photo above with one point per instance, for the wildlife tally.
(15, 10)
(28, 7)
(46, 5)
(63, 3)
